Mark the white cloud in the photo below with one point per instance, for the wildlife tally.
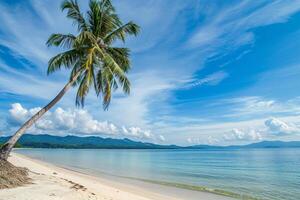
(211, 79)
(137, 132)
(20, 114)
(240, 135)
(277, 126)
(212, 140)
(209, 140)
(76, 121)
(140, 133)
(233, 136)
(63, 121)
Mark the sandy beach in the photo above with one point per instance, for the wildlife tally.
(50, 182)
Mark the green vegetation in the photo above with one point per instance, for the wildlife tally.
(18, 145)
(92, 142)
(73, 142)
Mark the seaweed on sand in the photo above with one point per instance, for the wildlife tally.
(12, 176)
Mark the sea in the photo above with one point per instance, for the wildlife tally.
(266, 174)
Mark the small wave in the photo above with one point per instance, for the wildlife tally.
(201, 189)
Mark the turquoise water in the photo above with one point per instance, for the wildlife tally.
(258, 173)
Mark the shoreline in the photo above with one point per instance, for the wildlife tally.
(55, 182)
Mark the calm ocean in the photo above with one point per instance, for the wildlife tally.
(272, 174)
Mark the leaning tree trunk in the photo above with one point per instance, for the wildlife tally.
(7, 147)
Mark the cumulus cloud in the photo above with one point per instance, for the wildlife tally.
(73, 121)
(240, 135)
(137, 132)
(76, 121)
(277, 126)
(19, 114)
(140, 133)
(211, 140)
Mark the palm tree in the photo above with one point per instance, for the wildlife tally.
(91, 57)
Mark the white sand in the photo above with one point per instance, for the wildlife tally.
(54, 183)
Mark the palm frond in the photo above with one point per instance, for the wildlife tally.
(73, 12)
(108, 19)
(121, 56)
(94, 17)
(78, 68)
(107, 96)
(95, 73)
(89, 58)
(66, 59)
(106, 85)
(65, 41)
(117, 72)
(107, 6)
(109, 22)
(85, 39)
(120, 33)
(84, 86)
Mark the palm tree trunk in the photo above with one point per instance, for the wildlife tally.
(7, 147)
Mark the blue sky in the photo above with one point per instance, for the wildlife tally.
(204, 72)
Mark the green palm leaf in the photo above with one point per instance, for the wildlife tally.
(120, 33)
(73, 12)
(65, 41)
(66, 59)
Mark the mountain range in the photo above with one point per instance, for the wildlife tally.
(75, 142)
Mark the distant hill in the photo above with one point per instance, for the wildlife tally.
(75, 142)
(273, 144)
(263, 144)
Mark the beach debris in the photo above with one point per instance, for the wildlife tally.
(12, 176)
(75, 186)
